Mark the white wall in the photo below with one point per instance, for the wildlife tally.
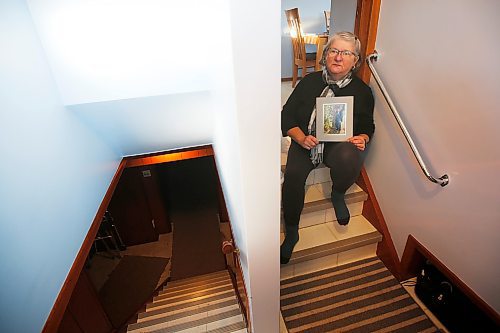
(247, 146)
(343, 15)
(312, 20)
(438, 60)
(53, 174)
(124, 96)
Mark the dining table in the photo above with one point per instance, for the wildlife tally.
(320, 41)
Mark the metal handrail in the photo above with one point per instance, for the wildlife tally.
(444, 179)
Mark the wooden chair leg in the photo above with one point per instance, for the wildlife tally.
(295, 70)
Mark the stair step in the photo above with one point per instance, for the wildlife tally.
(164, 312)
(321, 211)
(318, 207)
(195, 317)
(330, 244)
(199, 279)
(196, 284)
(193, 294)
(167, 292)
(190, 302)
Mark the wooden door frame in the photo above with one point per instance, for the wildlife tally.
(365, 27)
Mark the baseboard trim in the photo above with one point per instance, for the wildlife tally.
(386, 250)
(56, 314)
(416, 254)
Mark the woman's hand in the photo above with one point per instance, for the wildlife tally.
(359, 141)
(305, 141)
(309, 142)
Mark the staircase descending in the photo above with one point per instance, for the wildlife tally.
(323, 242)
(205, 303)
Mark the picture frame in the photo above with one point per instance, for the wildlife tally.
(334, 118)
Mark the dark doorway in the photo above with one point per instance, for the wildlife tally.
(190, 188)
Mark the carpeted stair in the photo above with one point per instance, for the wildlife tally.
(205, 303)
(359, 297)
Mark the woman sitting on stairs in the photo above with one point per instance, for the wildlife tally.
(345, 159)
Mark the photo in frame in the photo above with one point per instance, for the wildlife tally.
(334, 118)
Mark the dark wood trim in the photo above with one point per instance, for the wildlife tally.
(386, 250)
(413, 258)
(415, 254)
(286, 79)
(365, 27)
(169, 156)
(243, 299)
(62, 300)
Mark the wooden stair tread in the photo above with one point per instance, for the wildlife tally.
(197, 316)
(199, 279)
(193, 301)
(195, 286)
(205, 303)
(192, 295)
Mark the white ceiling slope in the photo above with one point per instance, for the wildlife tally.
(117, 49)
(109, 57)
(149, 124)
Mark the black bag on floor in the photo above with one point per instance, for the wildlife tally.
(449, 304)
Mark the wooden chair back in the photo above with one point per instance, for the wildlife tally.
(299, 47)
(327, 20)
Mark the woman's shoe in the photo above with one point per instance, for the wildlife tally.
(340, 207)
(286, 248)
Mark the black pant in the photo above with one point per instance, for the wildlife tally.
(343, 159)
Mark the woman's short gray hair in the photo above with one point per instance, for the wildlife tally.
(348, 37)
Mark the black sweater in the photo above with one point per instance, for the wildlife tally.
(299, 106)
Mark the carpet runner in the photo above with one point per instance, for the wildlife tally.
(358, 297)
(192, 194)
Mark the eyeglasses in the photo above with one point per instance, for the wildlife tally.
(344, 53)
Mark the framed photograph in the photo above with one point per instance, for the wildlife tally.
(334, 118)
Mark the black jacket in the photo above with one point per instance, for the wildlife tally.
(299, 106)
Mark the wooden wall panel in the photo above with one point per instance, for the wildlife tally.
(130, 209)
(155, 199)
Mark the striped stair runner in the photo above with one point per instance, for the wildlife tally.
(361, 297)
(204, 303)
